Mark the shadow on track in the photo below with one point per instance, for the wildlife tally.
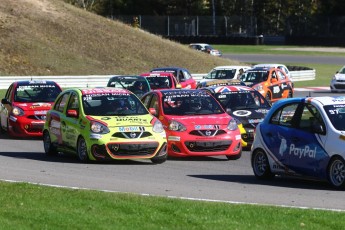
(67, 158)
(278, 181)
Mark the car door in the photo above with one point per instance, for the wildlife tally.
(277, 86)
(306, 150)
(6, 107)
(70, 122)
(56, 120)
(277, 135)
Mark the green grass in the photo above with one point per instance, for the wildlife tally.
(26, 206)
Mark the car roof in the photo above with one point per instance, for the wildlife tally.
(268, 65)
(230, 88)
(27, 82)
(157, 74)
(222, 82)
(168, 68)
(131, 77)
(328, 100)
(102, 90)
(231, 67)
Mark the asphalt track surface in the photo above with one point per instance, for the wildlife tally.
(207, 178)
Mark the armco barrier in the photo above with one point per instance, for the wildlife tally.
(102, 80)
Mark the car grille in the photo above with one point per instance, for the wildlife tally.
(208, 146)
(132, 135)
(37, 117)
(130, 149)
(339, 86)
(207, 132)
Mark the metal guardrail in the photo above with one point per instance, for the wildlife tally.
(102, 80)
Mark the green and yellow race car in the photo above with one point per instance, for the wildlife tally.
(103, 124)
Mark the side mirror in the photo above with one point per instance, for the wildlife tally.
(318, 128)
(153, 111)
(72, 113)
(5, 101)
(228, 110)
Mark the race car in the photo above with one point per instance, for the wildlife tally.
(136, 84)
(103, 124)
(272, 83)
(24, 108)
(302, 137)
(182, 75)
(338, 81)
(195, 123)
(161, 80)
(247, 106)
(223, 72)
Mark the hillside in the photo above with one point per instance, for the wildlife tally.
(51, 37)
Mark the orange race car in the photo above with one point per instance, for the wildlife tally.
(272, 83)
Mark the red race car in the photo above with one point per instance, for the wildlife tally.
(161, 80)
(182, 75)
(195, 123)
(24, 108)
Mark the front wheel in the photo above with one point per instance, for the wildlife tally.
(82, 150)
(261, 165)
(336, 172)
(49, 148)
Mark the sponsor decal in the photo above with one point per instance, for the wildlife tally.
(255, 121)
(198, 127)
(174, 138)
(130, 129)
(242, 113)
(40, 112)
(276, 89)
(131, 119)
(95, 136)
(305, 152)
(12, 118)
(238, 137)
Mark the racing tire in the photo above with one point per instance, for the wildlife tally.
(49, 148)
(159, 159)
(82, 150)
(336, 172)
(268, 97)
(260, 165)
(234, 157)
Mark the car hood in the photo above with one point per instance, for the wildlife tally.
(340, 76)
(121, 121)
(33, 106)
(250, 116)
(214, 119)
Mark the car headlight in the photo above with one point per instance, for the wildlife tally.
(158, 127)
(258, 87)
(17, 111)
(177, 126)
(97, 127)
(232, 125)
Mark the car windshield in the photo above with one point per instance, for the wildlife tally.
(113, 104)
(221, 74)
(254, 76)
(336, 114)
(160, 82)
(242, 100)
(36, 92)
(182, 103)
(138, 86)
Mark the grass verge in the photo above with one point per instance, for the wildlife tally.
(27, 206)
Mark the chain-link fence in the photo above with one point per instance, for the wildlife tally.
(237, 25)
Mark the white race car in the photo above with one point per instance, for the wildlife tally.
(338, 81)
(302, 137)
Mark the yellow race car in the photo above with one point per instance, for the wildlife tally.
(103, 124)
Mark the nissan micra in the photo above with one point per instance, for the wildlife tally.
(103, 124)
(302, 137)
